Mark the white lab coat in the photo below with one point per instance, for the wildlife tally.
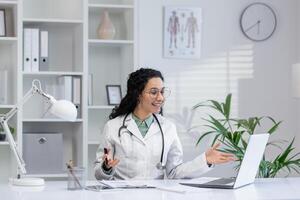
(139, 155)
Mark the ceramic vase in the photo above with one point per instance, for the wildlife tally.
(106, 29)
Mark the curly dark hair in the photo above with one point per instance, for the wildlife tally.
(135, 85)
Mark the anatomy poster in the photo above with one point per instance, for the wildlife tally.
(182, 32)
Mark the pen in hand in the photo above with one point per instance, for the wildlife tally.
(106, 153)
(108, 163)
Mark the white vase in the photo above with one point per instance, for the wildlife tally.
(106, 29)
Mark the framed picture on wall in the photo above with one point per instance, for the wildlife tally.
(114, 94)
(2, 23)
(182, 32)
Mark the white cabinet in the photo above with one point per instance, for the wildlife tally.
(74, 50)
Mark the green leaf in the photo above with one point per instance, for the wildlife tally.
(201, 104)
(274, 128)
(217, 106)
(244, 143)
(274, 144)
(212, 127)
(204, 135)
(286, 152)
(215, 139)
(294, 156)
(233, 146)
(218, 125)
(270, 118)
(226, 106)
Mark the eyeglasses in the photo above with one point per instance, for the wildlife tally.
(153, 92)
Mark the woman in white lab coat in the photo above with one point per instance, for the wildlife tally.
(141, 143)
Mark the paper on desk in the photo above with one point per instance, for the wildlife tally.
(164, 185)
(175, 186)
(124, 184)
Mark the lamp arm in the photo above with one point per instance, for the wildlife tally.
(31, 92)
(13, 145)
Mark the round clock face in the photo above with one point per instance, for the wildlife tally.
(258, 21)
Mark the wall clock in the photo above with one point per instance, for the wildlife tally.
(258, 21)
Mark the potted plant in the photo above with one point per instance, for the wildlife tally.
(234, 132)
(3, 134)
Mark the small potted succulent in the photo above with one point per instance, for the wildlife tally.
(3, 134)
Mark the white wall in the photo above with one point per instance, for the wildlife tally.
(257, 74)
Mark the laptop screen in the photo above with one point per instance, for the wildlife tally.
(253, 155)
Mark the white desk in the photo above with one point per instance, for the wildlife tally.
(285, 188)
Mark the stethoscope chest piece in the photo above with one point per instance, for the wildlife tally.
(160, 166)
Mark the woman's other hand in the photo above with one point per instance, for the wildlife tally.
(214, 156)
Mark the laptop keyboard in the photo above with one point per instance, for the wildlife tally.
(221, 181)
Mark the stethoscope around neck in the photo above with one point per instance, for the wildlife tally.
(160, 165)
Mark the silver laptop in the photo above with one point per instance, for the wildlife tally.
(248, 169)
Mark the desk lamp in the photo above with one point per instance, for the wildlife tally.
(61, 108)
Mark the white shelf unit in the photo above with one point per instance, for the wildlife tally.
(62, 175)
(8, 40)
(9, 50)
(6, 106)
(10, 9)
(74, 50)
(100, 107)
(8, 163)
(50, 20)
(4, 143)
(49, 120)
(53, 9)
(109, 63)
(63, 19)
(94, 142)
(97, 42)
(112, 2)
(65, 44)
(9, 2)
(54, 73)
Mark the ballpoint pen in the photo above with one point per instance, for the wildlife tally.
(106, 152)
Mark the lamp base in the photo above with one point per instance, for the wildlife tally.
(27, 181)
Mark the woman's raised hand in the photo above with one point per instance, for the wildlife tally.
(214, 156)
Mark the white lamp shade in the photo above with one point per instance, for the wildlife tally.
(63, 109)
(296, 80)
